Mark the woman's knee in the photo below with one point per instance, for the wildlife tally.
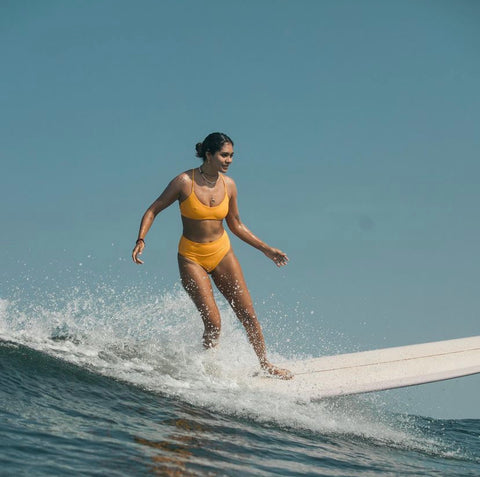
(247, 317)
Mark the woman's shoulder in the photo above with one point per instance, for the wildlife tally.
(229, 182)
(182, 183)
(183, 178)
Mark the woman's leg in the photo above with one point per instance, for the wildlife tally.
(228, 278)
(197, 284)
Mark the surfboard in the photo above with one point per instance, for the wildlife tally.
(377, 370)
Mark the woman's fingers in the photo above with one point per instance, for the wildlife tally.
(136, 252)
(279, 258)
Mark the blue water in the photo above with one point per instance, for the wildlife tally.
(110, 382)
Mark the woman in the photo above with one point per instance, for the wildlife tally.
(206, 197)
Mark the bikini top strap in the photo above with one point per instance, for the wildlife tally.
(193, 180)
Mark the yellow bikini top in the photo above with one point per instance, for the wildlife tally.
(193, 208)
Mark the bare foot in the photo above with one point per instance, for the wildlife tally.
(277, 372)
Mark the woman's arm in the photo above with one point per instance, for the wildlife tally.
(242, 232)
(167, 198)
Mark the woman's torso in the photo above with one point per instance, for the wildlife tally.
(201, 222)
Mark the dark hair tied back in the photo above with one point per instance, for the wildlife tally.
(212, 143)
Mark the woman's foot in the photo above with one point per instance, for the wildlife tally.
(276, 371)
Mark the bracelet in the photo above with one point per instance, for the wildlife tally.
(140, 239)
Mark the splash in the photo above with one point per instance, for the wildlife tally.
(153, 341)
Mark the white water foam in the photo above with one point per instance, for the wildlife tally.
(154, 342)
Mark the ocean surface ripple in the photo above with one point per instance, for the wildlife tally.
(106, 383)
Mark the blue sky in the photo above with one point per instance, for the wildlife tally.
(356, 140)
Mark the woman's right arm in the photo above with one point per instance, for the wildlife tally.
(166, 199)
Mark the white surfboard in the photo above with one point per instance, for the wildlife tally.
(377, 370)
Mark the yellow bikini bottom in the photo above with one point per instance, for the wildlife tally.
(208, 255)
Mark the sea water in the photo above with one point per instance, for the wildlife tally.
(113, 381)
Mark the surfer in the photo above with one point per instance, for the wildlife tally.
(206, 196)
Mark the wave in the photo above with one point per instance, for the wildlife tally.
(153, 342)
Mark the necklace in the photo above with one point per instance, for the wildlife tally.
(212, 183)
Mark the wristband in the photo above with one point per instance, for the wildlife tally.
(140, 240)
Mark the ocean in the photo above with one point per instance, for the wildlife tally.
(108, 381)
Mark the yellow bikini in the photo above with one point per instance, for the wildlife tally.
(209, 254)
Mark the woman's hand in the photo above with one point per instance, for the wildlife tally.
(277, 256)
(138, 251)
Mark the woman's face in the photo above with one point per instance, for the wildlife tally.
(222, 158)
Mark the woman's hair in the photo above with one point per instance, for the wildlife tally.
(212, 143)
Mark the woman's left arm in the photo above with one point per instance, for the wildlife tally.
(242, 232)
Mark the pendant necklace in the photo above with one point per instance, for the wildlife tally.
(211, 183)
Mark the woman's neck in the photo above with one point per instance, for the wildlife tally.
(210, 172)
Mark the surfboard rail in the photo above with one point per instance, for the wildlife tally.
(378, 370)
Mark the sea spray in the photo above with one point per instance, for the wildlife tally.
(152, 340)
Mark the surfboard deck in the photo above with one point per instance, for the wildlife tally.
(377, 370)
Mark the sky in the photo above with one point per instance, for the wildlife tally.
(356, 151)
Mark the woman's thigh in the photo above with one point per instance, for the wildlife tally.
(229, 279)
(197, 284)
